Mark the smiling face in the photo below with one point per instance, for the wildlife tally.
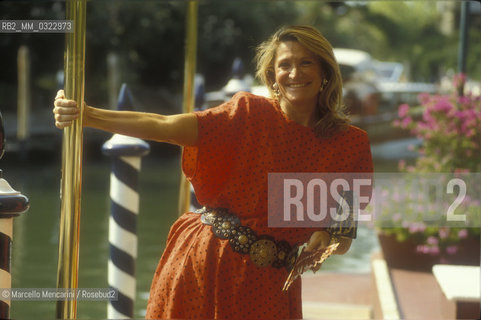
(298, 74)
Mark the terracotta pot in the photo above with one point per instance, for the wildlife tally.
(403, 255)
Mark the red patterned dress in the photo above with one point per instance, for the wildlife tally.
(199, 276)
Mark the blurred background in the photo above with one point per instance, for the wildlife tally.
(389, 52)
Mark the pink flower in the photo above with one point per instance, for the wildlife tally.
(432, 240)
(471, 133)
(405, 224)
(463, 234)
(434, 250)
(422, 249)
(443, 106)
(403, 110)
(428, 118)
(464, 100)
(443, 233)
(451, 249)
(406, 122)
(449, 122)
(459, 79)
(416, 227)
(424, 98)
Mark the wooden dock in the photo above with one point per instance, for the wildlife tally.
(387, 293)
(330, 295)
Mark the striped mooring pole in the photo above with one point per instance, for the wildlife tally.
(126, 153)
(12, 204)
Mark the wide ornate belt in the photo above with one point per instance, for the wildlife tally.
(263, 250)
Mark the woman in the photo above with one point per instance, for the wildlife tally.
(209, 268)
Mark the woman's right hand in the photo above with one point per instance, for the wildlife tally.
(65, 111)
(180, 129)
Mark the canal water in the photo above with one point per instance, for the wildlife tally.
(36, 231)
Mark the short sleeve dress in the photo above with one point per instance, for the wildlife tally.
(199, 276)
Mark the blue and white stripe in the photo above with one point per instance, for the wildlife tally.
(126, 155)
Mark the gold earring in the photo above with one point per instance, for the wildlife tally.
(277, 92)
(323, 85)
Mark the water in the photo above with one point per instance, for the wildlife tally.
(34, 262)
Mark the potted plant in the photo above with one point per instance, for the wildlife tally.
(449, 127)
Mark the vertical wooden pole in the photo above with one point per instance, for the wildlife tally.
(71, 184)
(189, 75)
(463, 42)
(23, 99)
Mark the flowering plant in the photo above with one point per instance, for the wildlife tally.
(449, 128)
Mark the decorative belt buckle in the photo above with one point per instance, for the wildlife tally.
(263, 252)
(208, 218)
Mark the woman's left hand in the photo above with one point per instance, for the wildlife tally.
(320, 240)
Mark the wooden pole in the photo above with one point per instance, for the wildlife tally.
(23, 100)
(189, 75)
(463, 42)
(71, 183)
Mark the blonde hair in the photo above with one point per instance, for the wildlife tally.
(331, 108)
